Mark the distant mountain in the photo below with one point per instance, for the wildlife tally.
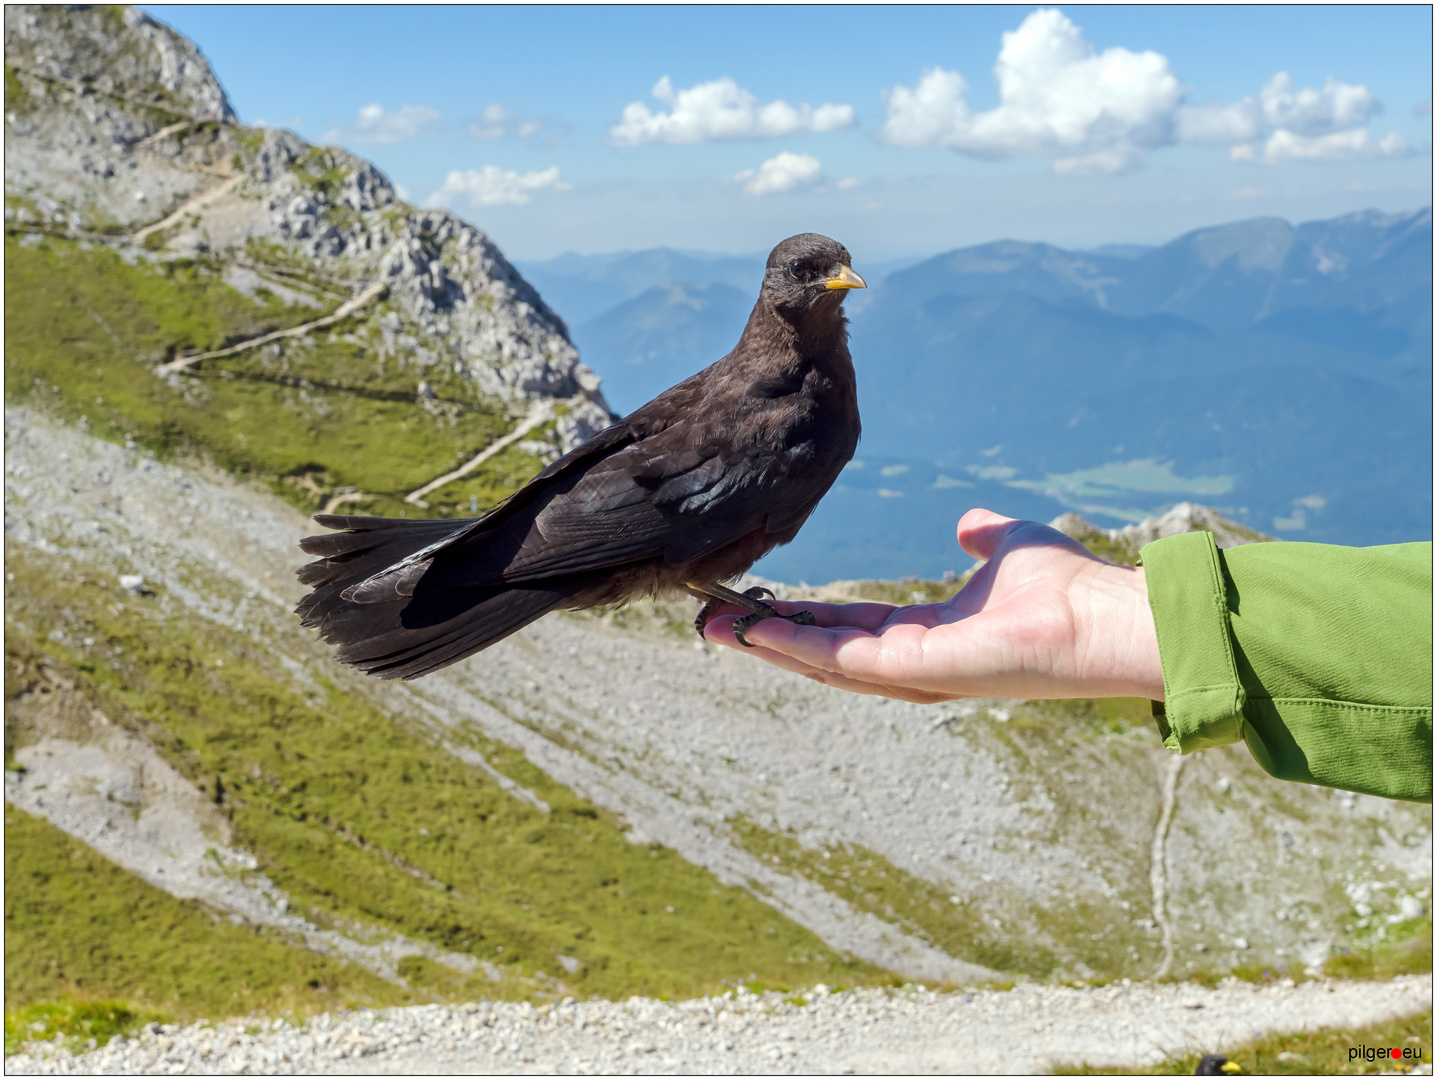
(1281, 371)
(1368, 263)
(1123, 251)
(651, 318)
(585, 286)
(663, 335)
(1269, 368)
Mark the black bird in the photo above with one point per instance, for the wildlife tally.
(1216, 1065)
(683, 494)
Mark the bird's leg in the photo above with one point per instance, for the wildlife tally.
(750, 600)
(711, 604)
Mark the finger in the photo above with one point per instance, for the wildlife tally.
(720, 631)
(865, 616)
(981, 531)
(947, 661)
(861, 616)
(836, 649)
(771, 636)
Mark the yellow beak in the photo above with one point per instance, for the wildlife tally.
(845, 279)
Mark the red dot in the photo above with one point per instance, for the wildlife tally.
(1396, 1052)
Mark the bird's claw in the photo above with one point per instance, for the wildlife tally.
(706, 613)
(742, 627)
(713, 603)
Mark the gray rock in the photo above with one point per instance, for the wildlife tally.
(103, 136)
(116, 51)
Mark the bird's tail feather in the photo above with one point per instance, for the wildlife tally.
(398, 636)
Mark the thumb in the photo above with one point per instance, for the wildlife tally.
(981, 531)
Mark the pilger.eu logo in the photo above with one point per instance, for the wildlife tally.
(1377, 1053)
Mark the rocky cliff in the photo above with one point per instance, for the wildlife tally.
(118, 133)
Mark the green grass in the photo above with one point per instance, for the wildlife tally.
(872, 883)
(1406, 950)
(79, 1024)
(331, 795)
(1325, 1052)
(17, 98)
(80, 932)
(305, 416)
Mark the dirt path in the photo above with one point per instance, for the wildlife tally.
(149, 140)
(350, 306)
(539, 413)
(1025, 1030)
(1158, 874)
(188, 207)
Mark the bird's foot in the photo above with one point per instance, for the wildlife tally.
(710, 607)
(742, 627)
(713, 603)
(715, 596)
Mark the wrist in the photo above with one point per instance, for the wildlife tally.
(1117, 638)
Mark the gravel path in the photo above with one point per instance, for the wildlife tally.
(913, 1030)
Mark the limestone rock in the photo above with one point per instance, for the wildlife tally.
(99, 145)
(119, 52)
(1123, 544)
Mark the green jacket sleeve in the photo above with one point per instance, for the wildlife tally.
(1318, 657)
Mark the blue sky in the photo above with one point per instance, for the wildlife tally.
(886, 127)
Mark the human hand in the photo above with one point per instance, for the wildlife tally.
(1042, 618)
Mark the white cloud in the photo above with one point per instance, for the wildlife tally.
(1101, 112)
(784, 172)
(1097, 111)
(1338, 106)
(848, 182)
(1308, 113)
(1394, 145)
(1118, 159)
(720, 110)
(373, 125)
(496, 122)
(493, 186)
(1283, 145)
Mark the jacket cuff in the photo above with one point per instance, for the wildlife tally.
(1187, 591)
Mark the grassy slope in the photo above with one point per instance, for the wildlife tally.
(304, 417)
(331, 795)
(958, 925)
(329, 792)
(84, 327)
(62, 905)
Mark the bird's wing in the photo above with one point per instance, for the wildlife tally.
(657, 497)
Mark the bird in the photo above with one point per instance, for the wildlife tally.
(682, 495)
(1216, 1065)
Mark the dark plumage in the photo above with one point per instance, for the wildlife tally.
(1216, 1065)
(683, 494)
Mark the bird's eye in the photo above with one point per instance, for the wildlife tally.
(796, 269)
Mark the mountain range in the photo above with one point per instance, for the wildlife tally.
(1280, 371)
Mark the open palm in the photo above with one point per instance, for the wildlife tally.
(1042, 618)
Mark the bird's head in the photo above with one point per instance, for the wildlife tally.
(809, 273)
